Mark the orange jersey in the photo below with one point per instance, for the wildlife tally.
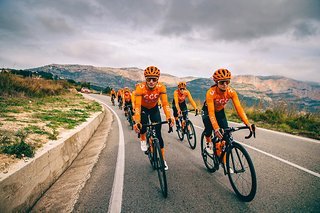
(149, 98)
(113, 92)
(133, 99)
(127, 96)
(180, 97)
(119, 93)
(216, 100)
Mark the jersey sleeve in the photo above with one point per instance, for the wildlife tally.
(191, 100)
(211, 110)
(238, 107)
(138, 99)
(133, 97)
(176, 100)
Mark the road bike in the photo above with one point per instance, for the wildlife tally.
(120, 102)
(235, 161)
(185, 127)
(155, 155)
(112, 100)
(130, 116)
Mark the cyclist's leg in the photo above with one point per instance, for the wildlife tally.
(144, 120)
(183, 107)
(175, 114)
(207, 123)
(223, 123)
(155, 117)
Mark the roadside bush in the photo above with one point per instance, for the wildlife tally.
(19, 148)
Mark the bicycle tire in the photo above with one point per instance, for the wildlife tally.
(180, 133)
(191, 133)
(160, 167)
(150, 154)
(239, 179)
(209, 160)
(130, 119)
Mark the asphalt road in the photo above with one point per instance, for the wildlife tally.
(287, 169)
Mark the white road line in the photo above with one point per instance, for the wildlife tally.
(117, 188)
(277, 158)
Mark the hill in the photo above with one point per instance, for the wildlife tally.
(266, 90)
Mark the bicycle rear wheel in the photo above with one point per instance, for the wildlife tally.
(160, 168)
(210, 161)
(191, 135)
(242, 176)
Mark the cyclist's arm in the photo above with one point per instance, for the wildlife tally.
(191, 100)
(137, 114)
(165, 105)
(239, 108)
(176, 100)
(133, 100)
(211, 110)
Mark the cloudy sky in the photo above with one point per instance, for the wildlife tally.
(181, 37)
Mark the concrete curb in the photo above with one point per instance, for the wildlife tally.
(24, 184)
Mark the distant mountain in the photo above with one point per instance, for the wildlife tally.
(268, 90)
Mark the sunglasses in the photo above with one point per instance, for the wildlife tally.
(181, 89)
(152, 79)
(224, 82)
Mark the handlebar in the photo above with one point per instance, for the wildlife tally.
(157, 124)
(233, 129)
(188, 110)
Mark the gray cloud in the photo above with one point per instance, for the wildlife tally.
(239, 20)
(191, 36)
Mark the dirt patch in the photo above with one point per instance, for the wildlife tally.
(42, 120)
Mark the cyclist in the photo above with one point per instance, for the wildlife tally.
(133, 101)
(126, 97)
(119, 95)
(146, 106)
(179, 102)
(113, 95)
(217, 96)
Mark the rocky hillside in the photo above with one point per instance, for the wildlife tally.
(269, 90)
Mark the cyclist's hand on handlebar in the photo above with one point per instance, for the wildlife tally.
(219, 133)
(252, 129)
(179, 112)
(137, 127)
(170, 121)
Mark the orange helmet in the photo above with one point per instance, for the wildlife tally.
(151, 71)
(182, 84)
(221, 74)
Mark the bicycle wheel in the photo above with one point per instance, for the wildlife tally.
(242, 176)
(160, 167)
(180, 133)
(210, 161)
(130, 119)
(191, 135)
(149, 152)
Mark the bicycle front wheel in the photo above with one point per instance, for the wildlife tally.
(160, 168)
(180, 133)
(241, 173)
(191, 135)
(150, 152)
(208, 159)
